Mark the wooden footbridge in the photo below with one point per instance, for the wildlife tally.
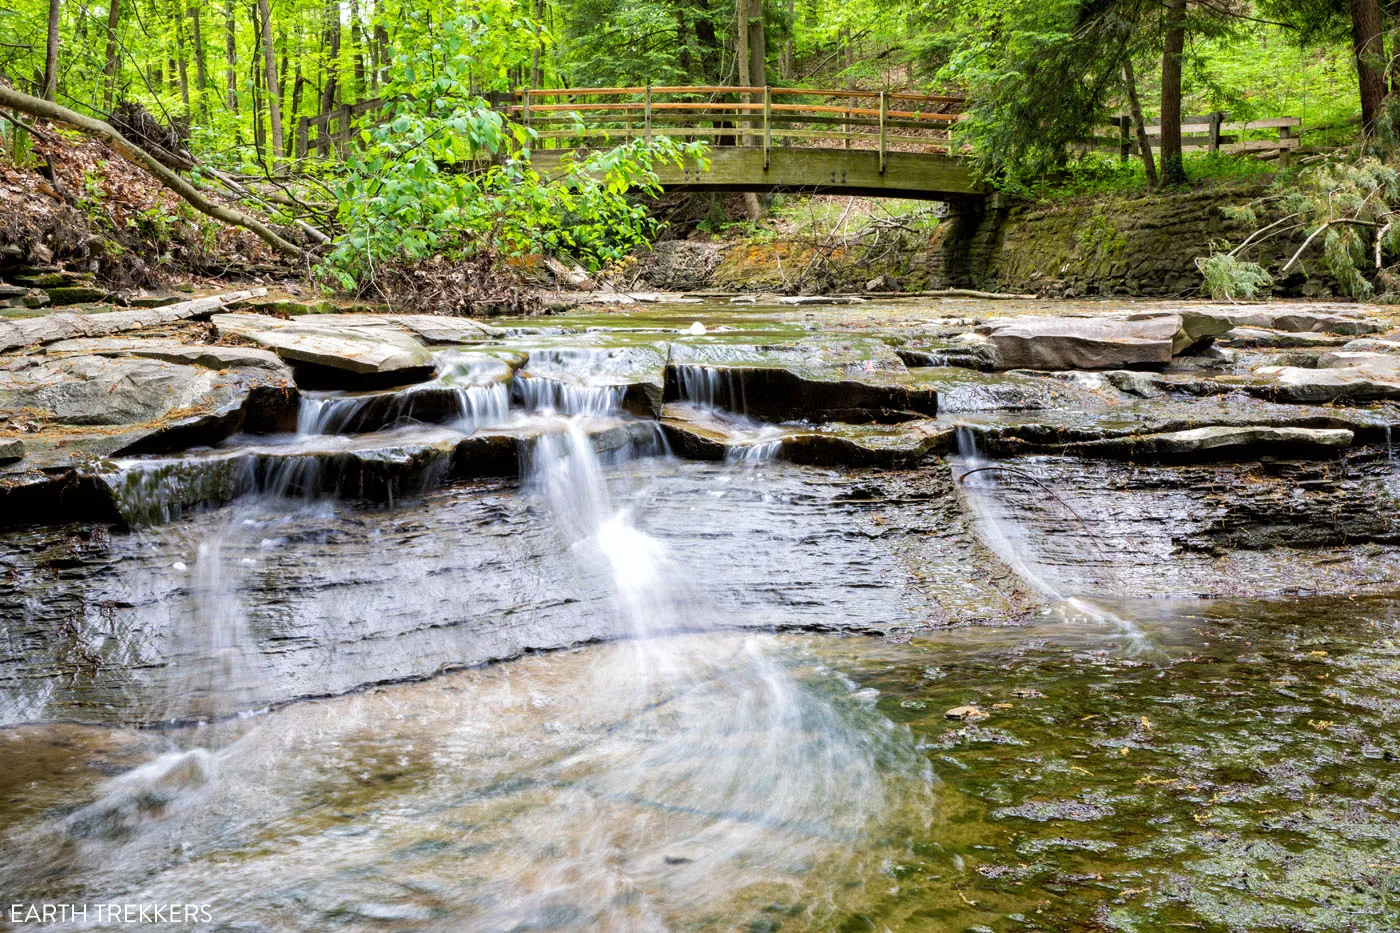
(765, 139)
(761, 139)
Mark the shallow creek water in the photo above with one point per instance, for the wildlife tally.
(716, 700)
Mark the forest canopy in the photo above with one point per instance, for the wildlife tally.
(221, 92)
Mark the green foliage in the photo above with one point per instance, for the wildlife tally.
(1230, 279)
(1041, 74)
(445, 175)
(1344, 205)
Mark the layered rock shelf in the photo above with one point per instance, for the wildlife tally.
(133, 416)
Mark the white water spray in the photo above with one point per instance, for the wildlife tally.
(977, 478)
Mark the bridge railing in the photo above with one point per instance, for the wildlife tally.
(741, 116)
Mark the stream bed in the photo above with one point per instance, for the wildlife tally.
(596, 630)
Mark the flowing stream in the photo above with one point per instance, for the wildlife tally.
(637, 692)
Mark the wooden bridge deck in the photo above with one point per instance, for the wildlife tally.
(914, 175)
(765, 139)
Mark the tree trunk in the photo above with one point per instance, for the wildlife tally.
(332, 33)
(1368, 44)
(297, 84)
(1135, 107)
(744, 58)
(710, 47)
(741, 40)
(789, 65)
(536, 73)
(357, 47)
(255, 84)
(109, 70)
(1173, 171)
(274, 107)
(381, 41)
(683, 45)
(231, 57)
(51, 52)
(47, 110)
(178, 11)
(200, 75)
(758, 44)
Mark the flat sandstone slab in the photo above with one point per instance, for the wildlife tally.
(365, 348)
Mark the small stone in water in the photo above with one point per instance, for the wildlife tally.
(965, 712)
(179, 565)
(697, 329)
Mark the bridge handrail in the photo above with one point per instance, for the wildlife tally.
(721, 89)
(751, 117)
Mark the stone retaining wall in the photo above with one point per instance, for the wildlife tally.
(1108, 246)
(1143, 246)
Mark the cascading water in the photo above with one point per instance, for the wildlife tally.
(752, 764)
(977, 477)
(554, 396)
(754, 452)
(711, 388)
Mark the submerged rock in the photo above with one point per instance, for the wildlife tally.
(365, 349)
(889, 446)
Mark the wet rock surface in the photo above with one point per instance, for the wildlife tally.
(1126, 637)
(361, 347)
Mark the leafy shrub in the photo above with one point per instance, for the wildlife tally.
(1229, 279)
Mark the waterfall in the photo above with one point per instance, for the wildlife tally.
(754, 452)
(539, 394)
(483, 406)
(711, 388)
(752, 764)
(977, 477)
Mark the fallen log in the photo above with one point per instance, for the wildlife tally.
(950, 293)
(47, 110)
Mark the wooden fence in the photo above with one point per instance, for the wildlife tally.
(1212, 132)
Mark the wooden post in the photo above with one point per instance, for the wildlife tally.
(1125, 145)
(323, 136)
(1285, 133)
(883, 146)
(343, 135)
(646, 115)
(767, 124)
(1215, 120)
(302, 138)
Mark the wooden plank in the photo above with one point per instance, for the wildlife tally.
(1272, 124)
(737, 108)
(726, 89)
(720, 132)
(836, 171)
